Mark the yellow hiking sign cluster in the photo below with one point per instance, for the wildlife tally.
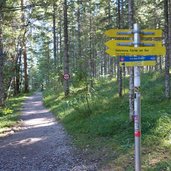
(151, 44)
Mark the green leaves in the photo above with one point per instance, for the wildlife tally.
(2, 3)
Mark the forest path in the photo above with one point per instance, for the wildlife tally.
(41, 144)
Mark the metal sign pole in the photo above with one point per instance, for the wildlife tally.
(137, 104)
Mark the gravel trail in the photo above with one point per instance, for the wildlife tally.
(41, 144)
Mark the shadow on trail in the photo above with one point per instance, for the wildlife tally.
(41, 145)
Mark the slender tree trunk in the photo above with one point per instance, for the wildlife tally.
(26, 89)
(91, 51)
(60, 41)
(17, 67)
(79, 37)
(1, 66)
(167, 6)
(94, 61)
(26, 86)
(131, 80)
(119, 68)
(111, 59)
(54, 35)
(105, 62)
(48, 66)
(66, 55)
(160, 63)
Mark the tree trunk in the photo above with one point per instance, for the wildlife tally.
(26, 86)
(17, 68)
(66, 55)
(131, 80)
(1, 63)
(26, 89)
(169, 32)
(79, 62)
(119, 73)
(167, 61)
(54, 35)
(111, 59)
(60, 42)
(91, 51)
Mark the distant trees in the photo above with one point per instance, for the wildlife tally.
(50, 38)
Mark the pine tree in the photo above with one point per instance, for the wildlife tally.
(66, 55)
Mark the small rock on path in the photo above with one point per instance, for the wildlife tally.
(41, 144)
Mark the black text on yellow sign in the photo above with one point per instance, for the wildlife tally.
(129, 51)
(126, 33)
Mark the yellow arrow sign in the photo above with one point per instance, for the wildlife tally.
(129, 51)
(138, 63)
(117, 33)
(112, 44)
(147, 33)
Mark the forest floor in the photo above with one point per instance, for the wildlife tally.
(98, 121)
(40, 143)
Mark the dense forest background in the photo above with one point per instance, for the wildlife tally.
(40, 41)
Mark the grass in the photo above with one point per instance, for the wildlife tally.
(102, 129)
(10, 112)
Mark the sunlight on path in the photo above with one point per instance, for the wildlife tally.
(41, 144)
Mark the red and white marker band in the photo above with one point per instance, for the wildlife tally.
(137, 134)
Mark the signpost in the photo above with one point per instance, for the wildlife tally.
(137, 105)
(136, 53)
(137, 61)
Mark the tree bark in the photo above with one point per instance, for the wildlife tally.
(60, 42)
(26, 85)
(91, 51)
(167, 12)
(66, 55)
(54, 35)
(111, 59)
(17, 68)
(26, 89)
(1, 63)
(119, 68)
(79, 36)
(167, 81)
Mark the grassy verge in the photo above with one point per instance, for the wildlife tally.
(99, 124)
(10, 112)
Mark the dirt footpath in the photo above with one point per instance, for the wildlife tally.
(41, 144)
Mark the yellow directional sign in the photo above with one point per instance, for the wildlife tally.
(112, 44)
(138, 63)
(117, 33)
(126, 33)
(154, 33)
(130, 51)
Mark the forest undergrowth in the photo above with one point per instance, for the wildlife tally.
(9, 113)
(98, 121)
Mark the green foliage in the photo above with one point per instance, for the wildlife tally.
(9, 114)
(107, 126)
(79, 78)
(6, 111)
